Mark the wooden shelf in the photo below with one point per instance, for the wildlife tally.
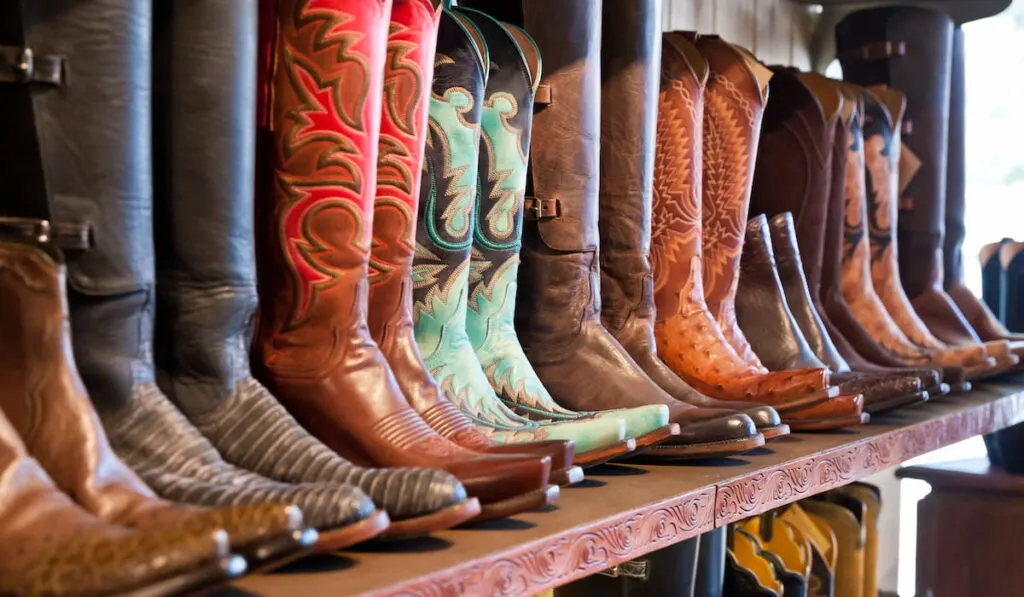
(624, 511)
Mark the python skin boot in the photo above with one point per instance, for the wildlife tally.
(444, 237)
(93, 174)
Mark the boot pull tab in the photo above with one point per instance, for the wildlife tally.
(22, 65)
(882, 50)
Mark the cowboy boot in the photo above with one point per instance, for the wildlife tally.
(1011, 261)
(97, 186)
(770, 326)
(856, 346)
(441, 269)
(497, 238)
(893, 46)
(669, 571)
(56, 419)
(628, 304)
(710, 574)
(631, 65)
(992, 279)
(883, 109)
(688, 337)
(981, 317)
(503, 484)
(50, 546)
(793, 174)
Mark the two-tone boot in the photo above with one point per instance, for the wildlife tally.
(444, 240)
(97, 188)
(791, 183)
(893, 46)
(688, 338)
(50, 546)
(497, 238)
(502, 485)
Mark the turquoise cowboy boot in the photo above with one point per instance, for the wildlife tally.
(507, 115)
(442, 258)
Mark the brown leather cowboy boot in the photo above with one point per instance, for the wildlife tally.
(895, 46)
(883, 109)
(978, 314)
(688, 338)
(50, 546)
(56, 420)
(630, 62)
(558, 306)
(413, 36)
(793, 174)
(313, 349)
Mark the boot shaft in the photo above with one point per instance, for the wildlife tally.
(956, 167)
(204, 160)
(630, 72)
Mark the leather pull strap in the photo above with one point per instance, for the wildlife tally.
(536, 208)
(882, 50)
(543, 96)
(72, 237)
(23, 65)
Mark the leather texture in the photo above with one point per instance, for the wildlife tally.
(688, 338)
(880, 390)
(711, 564)
(497, 234)
(52, 547)
(631, 51)
(1011, 261)
(96, 154)
(670, 571)
(845, 517)
(312, 348)
(56, 421)
(444, 237)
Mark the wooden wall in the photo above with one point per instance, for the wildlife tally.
(778, 31)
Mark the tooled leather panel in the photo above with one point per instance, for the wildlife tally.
(732, 119)
(857, 286)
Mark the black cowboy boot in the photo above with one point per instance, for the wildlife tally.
(95, 184)
(668, 572)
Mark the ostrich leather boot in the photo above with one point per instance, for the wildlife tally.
(56, 421)
(95, 182)
(790, 186)
(859, 350)
(497, 239)
(558, 308)
(897, 46)
(883, 110)
(688, 338)
(443, 258)
(413, 33)
(769, 324)
(631, 73)
(50, 546)
(987, 325)
(407, 91)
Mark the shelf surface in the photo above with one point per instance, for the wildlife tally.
(624, 511)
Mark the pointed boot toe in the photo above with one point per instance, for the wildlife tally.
(640, 421)
(561, 452)
(497, 479)
(593, 436)
(723, 435)
(767, 420)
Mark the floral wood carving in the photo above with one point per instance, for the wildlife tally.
(571, 555)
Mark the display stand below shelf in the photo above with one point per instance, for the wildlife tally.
(624, 511)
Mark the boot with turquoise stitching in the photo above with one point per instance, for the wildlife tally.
(444, 239)
(507, 114)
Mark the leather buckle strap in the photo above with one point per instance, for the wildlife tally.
(907, 127)
(22, 65)
(535, 208)
(73, 237)
(543, 96)
(882, 50)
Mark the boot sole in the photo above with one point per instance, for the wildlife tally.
(195, 581)
(347, 536)
(705, 451)
(450, 517)
(567, 476)
(267, 556)
(830, 424)
(658, 435)
(520, 503)
(790, 404)
(770, 433)
(895, 403)
(596, 457)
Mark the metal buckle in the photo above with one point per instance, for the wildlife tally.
(634, 569)
(22, 65)
(536, 208)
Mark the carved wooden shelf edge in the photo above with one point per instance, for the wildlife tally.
(749, 496)
(573, 554)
